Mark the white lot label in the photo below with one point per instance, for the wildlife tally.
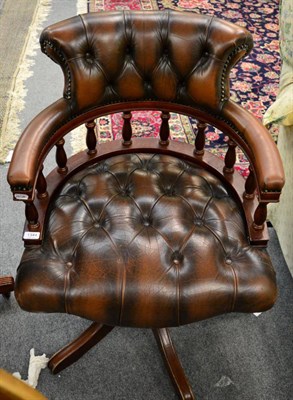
(31, 235)
(20, 196)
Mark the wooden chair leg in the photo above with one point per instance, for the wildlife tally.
(6, 286)
(173, 364)
(76, 349)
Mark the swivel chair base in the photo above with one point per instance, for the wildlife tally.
(96, 332)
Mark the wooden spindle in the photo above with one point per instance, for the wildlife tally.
(200, 138)
(61, 157)
(165, 129)
(41, 185)
(127, 130)
(91, 140)
(250, 185)
(260, 216)
(32, 215)
(230, 157)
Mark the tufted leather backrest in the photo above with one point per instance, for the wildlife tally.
(167, 56)
(133, 60)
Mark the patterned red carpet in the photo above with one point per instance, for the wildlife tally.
(257, 79)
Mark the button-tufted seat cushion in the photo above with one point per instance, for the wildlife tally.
(145, 240)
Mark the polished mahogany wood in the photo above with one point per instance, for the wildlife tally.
(127, 129)
(250, 184)
(230, 157)
(61, 157)
(173, 364)
(165, 129)
(6, 285)
(200, 138)
(76, 349)
(41, 184)
(260, 216)
(91, 140)
(32, 215)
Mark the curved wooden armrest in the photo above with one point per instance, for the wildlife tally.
(34, 143)
(263, 152)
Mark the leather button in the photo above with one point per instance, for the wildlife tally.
(228, 261)
(147, 222)
(69, 264)
(198, 222)
(89, 58)
(125, 192)
(170, 192)
(128, 49)
(177, 257)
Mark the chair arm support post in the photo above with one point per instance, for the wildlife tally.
(127, 129)
(260, 216)
(199, 142)
(41, 185)
(230, 157)
(250, 185)
(164, 128)
(32, 215)
(91, 140)
(61, 157)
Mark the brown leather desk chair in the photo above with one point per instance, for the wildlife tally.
(145, 232)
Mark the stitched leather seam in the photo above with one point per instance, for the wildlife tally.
(85, 31)
(65, 293)
(201, 61)
(99, 67)
(165, 239)
(86, 206)
(122, 295)
(135, 236)
(186, 239)
(178, 177)
(79, 240)
(235, 287)
(111, 240)
(154, 204)
(178, 293)
(125, 65)
(67, 288)
(187, 202)
(217, 237)
(206, 207)
(106, 204)
(115, 177)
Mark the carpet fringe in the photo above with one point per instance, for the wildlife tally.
(82, 6)
(18, 91)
